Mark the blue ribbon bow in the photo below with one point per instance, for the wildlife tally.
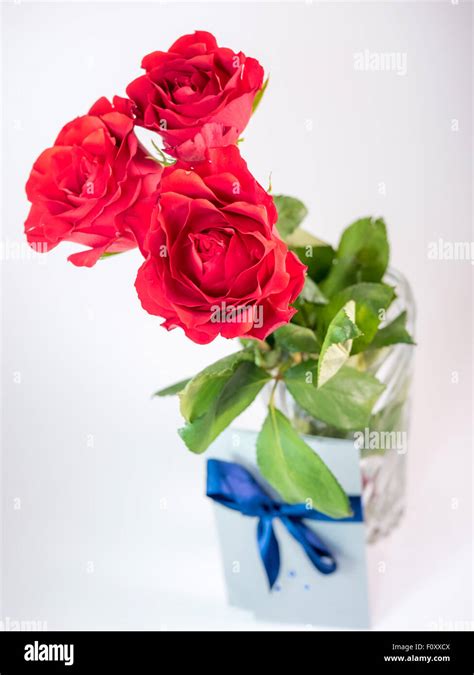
(233, 486)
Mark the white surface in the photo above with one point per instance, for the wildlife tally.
(80, 357)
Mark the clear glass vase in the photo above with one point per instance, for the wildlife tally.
(383, 453)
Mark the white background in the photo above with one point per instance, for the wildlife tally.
(119, 535)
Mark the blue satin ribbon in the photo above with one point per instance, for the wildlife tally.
(233, 486)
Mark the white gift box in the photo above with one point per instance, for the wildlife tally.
(301, 595)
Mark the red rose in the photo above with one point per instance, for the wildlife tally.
(196, 95)
(92, 185)
(215, 263)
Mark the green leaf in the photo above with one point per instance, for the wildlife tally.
(312, 293)
(295, 338)
(372, 300)
(362, 255)
(109, 254)
(337, 343)
(239, 389)
(307, 304)
(203, 388)
(306, 314)
(259, 95)
(291, 212)
(313, 252)
(251, 343)
(263, 354)
(295, 470)
(172, 389)
(393, 333)
(345, 401)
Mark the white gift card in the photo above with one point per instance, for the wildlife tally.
(301, 595)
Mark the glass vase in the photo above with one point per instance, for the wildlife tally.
(384, 444)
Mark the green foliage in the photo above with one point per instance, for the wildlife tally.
(337, 343)
(371, 301)
(294, 338)
(295, 470)
(291, 212)
(316, 254)
(362, 255)
(393, 333)
(312, 293)
(226, 395)
(201, 390)
(259, 95)
(345, 401)
(172, 389)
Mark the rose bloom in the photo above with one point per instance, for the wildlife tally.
(92, 185)
(215, 263)
(196, 95)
